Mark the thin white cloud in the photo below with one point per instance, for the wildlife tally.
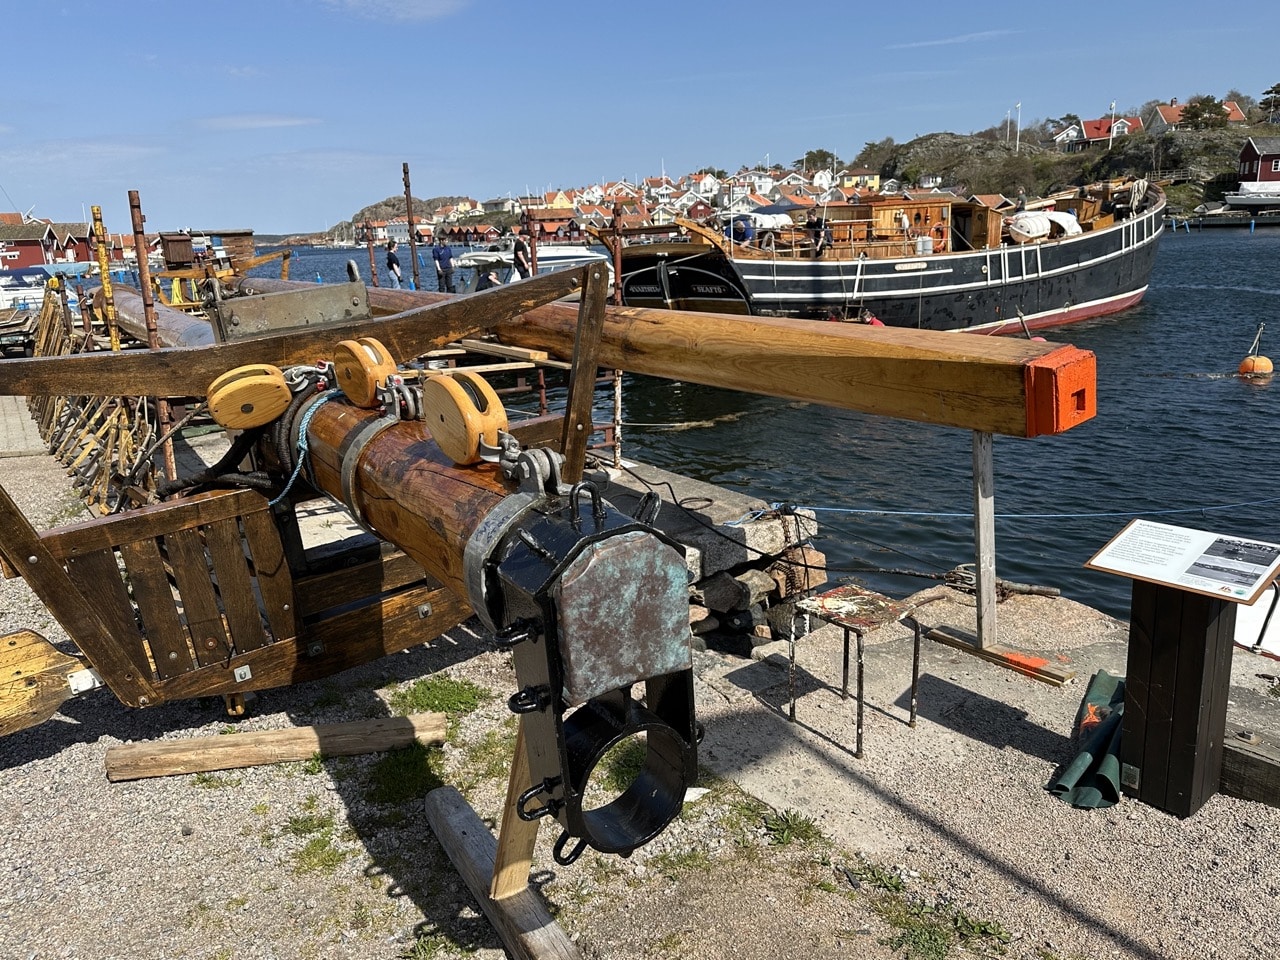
(4, 129)
(255, 121)
(243, 72)
(947, 41)
(406, 10)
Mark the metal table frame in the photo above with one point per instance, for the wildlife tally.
(858, 611)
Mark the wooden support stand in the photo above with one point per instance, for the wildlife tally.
(1175, 710)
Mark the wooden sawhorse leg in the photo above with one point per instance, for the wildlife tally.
(496, 870)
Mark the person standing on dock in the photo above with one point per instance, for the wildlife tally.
(442, 254)
(520, 256)
(393, 265)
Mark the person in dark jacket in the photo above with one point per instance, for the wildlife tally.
(393, 265)
(520, 256)
(442, 254)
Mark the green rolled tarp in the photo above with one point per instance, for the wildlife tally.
(1093, 778)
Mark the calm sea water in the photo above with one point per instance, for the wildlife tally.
(1175, 431)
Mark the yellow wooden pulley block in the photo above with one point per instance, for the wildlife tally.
(461, 409)
(361, 367)
(248, 396)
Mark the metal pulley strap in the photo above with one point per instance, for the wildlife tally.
(351, 460)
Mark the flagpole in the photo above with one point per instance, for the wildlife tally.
(1111, 131)
(1017, 142)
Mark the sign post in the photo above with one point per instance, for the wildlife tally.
(1186, 585)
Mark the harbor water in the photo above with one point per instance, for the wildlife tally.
(1179, 438)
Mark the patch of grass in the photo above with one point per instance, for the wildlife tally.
(919, 937)
(741, 811)
(619, 767)
(304, 825)
(313, 765)
(929, 933)
(668, 946)
(791, 826)
(237, 903)
(489, 758)
(438, 694)
(675, 864)
(876, 876)
(260, 809)
(212, 781)
(403, 775)
(427, 947)
(318, 856)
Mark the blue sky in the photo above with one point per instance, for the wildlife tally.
(290, 115)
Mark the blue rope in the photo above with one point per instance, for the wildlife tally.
(304, 445)
(1016, 516)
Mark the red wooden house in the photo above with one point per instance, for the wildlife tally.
(1260, 160)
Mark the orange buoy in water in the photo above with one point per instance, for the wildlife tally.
(1256, 366)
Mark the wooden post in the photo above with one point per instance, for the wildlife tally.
(413, 246)
(582, 380)
(516, 837)
(1178, 677)
(984, 537)
(153, 337)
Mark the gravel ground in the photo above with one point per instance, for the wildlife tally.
(941, 840)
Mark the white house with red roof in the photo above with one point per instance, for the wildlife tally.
(1167, 116)
(1075, 137)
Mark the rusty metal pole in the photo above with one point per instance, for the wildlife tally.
(163, 410)
(616, 250)
(413, 247)
(373, 265)
(617, 300)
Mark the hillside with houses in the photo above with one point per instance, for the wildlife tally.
(1200, 138)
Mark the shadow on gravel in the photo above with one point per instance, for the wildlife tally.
(406, 860)
(769, 734)
(979, 717)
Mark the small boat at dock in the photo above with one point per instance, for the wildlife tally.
(930, 261)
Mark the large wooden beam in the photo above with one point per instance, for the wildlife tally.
(1001, 385)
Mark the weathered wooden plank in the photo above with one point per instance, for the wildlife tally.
(582, 385)
(338, 588)
(517, 837)
(99, 577)
(1251, 767)
(231, 571)
(353, 637)
(187, 371)
(275, 581)
(166, 758)
(33, 680)
(154, 520)
(522, 919)
(157, 609)
(501, 350)
(199, 602)
(82, 620)
(1029, 665)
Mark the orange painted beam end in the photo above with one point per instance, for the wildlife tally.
(1062, 390)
